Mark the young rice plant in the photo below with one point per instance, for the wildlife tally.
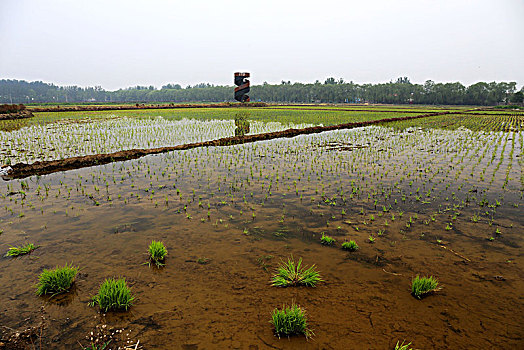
(292, 273)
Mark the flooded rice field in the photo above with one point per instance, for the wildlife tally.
(439, 202)
(79, 137)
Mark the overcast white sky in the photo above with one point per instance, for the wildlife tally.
(153, 42)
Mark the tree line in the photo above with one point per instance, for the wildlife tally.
(401, 91)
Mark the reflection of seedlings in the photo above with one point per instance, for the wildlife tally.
(421, 286)
(22, 250)
(351, 246)
(114, 294)
(57, 280)
(292, 273)
(290, 320)
(281, 233)
(262, 261)
(326, 240)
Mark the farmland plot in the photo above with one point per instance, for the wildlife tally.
(416, 199)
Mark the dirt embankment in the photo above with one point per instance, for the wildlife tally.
(59, 108)
(21, 170)
(10, 112)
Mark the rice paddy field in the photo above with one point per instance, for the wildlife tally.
(438, 196)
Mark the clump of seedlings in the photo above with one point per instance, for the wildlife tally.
(22, 250)
(292, 273)
(326, 240)
(421, 286)
(350, 245)
(402, 346)
(113, 294)
(290, 320)
(157, 253)
(57, 280)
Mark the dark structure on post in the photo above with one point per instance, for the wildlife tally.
(242, 87)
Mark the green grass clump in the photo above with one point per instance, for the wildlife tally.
(57, 280)
(292, 273)
(423, 285)
(22, 250)
(351, 246)
(402, 346)
(114, 294)
(326, 240)
(157, 253)
(289, 321)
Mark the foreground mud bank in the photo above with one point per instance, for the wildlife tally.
(22, 170)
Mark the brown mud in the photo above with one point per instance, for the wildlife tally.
(18, 115)
(13, 111)
(94, 217)
(21, 170)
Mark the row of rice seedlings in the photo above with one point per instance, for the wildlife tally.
(472, 122)
(65, 139)
(388, 206)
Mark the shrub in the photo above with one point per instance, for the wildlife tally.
(114, 294)
(157, 253)
(290, 320)
(326, 240)
(423, 285)
(22, 250)
(57, 280)
(292, 273)
(351, 246)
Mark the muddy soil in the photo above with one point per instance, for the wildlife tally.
(227, 217)
(18, 115)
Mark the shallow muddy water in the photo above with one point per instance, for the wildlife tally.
(431, 199)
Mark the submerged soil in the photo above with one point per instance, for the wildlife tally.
(228, 215)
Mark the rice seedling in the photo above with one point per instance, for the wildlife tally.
(402, 346)
(350, 245)
(22, 250)
(292, 273)
(203, 261)
(57, 280)
(94, 346)
(157, 253)
(326, 240)
(421, 286)
(113, 294)
(290, 320)
(371, 239)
